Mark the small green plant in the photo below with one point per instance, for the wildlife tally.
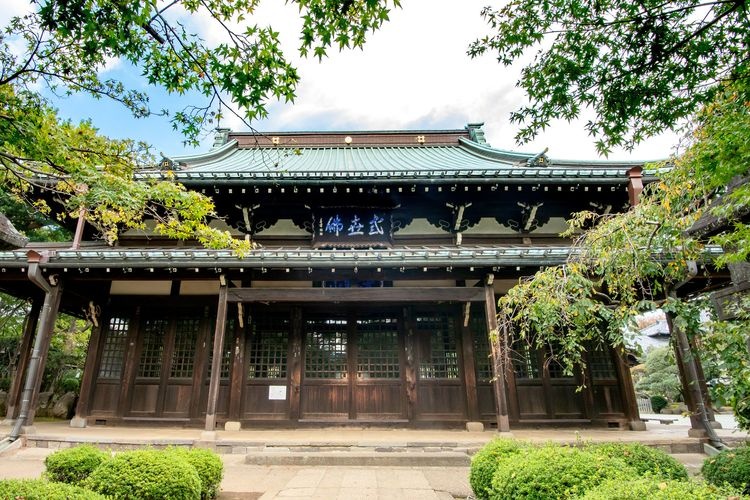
(146, 475)
(69, 384)
(730, 467)
(644, 459)
(658, 403)
(39, 489)
(554, 472)
(74, 465)
(207, 464)
(485, 462)
(656, 489)
(4, 384)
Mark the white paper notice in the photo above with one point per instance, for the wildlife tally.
(277, 392)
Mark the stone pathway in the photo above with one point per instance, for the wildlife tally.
(251, 482)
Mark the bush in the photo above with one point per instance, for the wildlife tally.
(729, 467)
(644, 459)
(69, 384)
(39, 489)
(207, 464)
(656, 489)
(554, 472)
(658, 403)
(146, 475)
(485, 462)
(73, 465)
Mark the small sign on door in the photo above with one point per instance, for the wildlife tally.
(277, 392)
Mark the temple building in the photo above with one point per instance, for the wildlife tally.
(369, 299)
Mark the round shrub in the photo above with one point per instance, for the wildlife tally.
(207, 464)
(485, 461)
(39, 489)
(73, 465)
(644, 459)
(554, 472)
(729, 467)
(656, 489)
(146, 475)
(658, 403)
(69, 384)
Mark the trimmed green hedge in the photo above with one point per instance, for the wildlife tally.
(73, 465)
(643, 459)
(39, 489)
(485, 462)
(729, 467)
(146, 475)
(656, 489)
(207, 464)
(554, 472)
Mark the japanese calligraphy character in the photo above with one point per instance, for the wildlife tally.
(334, 225)
(355, 228)
(375, 225)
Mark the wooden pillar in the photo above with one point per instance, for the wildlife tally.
(46, 329)
(130, 364)
(295, 364)
(635, 185)
(213, 385)
(498, 349)
(470, 372)
(29, 327)
(628, 391)
(237, 374)
(87, 381)
(201, 362)
(410, 365)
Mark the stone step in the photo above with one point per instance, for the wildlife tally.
(354, 458)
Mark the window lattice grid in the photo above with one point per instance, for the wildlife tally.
(556, 369)
(153, 348)
(226, 356)
(482, 359)
(439, 358)
(326, 348)
(602, 366)
(183, 354)
(113, 352)
(525, 361)
(269, 348)
(377, 349)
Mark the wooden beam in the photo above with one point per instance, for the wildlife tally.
(87, 381)
(295, 364)
(469, 367)
(498, 366)
(213, 385)
(400, 295)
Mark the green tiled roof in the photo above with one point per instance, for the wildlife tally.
(464, 159)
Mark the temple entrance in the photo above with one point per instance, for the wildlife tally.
(352, 366)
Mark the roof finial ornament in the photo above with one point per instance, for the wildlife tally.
(476, 133)
(221, 137)
(539, 160)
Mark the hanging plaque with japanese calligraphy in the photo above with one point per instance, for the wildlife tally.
(353, 227)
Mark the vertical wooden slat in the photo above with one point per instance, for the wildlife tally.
(213, 385)
(295, 364)
(469, 373)
(89, 370)
(630, 404)
(499, 352)
(166, 362)
(29, 327)
(351, 353)
(46, 328)
(131, 364)
(410, 368)
(201, 365)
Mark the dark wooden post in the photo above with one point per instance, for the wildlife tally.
(237, 375)
(628, 391)
(213, 385)
(14, 393)
(470, 373)
(410, 368)
(635, 185)
(201, 362)
(295, 364)
(87, 381)
(498, 348)
(130, 364)
(46, 329)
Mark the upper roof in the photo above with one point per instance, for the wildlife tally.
(414, 154)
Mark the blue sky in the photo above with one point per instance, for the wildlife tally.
(413, 73)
